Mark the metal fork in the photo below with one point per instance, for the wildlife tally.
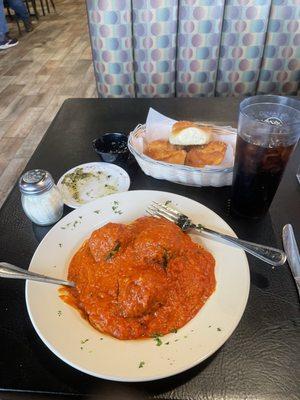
(13, 272)
(268, 254)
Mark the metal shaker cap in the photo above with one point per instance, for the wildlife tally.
(35, 181)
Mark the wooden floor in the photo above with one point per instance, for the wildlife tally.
(49, 65)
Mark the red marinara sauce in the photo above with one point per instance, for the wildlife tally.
(140, 280)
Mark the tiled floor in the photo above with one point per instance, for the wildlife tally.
(48, 66)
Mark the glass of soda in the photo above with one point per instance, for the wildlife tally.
(268, 131)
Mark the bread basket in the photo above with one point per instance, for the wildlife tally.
(182, 174)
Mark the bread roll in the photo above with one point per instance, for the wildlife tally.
(187, 133)
(210, 154)
(162, 150)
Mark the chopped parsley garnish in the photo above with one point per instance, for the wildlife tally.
(156, 337)
(167, 343)
(110, 187)
(84, 341)
(60, 244)
(75, 223)
(141, 364)
(59, 313)
(97, 211)
(219, 329)
(199, 226)
(166, 258)
(72, 224)
(113, 251)
(168, 202)
(72, 179)
(115, 207)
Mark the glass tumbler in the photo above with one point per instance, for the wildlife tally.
(268, 131)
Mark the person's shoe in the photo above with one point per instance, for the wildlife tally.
(8, 42)
(29, 27)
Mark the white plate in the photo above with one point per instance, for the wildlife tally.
(107, 179)
(63, 330)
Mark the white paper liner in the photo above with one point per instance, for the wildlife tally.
(158, 127)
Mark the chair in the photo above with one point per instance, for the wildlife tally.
(35, 11)
(47, 5)
(53, 5)
(164, 48)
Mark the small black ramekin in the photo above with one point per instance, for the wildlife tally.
(112, 147)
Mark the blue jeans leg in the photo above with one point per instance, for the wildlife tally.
(3, 24)
(19, 8)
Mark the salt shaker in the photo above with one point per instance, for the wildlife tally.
(41, 199)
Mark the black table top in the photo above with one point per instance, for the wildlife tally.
(261, 358)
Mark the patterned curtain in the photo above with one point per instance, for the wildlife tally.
(164, 48)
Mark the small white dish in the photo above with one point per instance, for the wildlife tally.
(77, 343)
(88, 182)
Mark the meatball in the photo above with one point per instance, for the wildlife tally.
(142, 293)
(105, 242)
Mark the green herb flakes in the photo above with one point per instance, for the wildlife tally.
(168, 202)
(113, 251)
(165, 259)
(97, 211)
(156, 335)
(199, 226)
(59, 313)
(141, 364)
(115, 207)
(219, 329)
(84, 341)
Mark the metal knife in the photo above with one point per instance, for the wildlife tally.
(292, 253)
